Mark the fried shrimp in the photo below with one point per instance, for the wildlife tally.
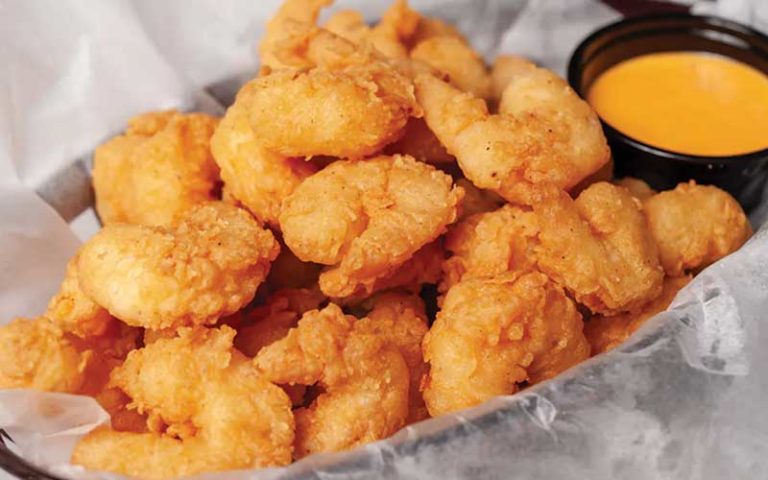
(256, 177)
(74, 311)
(211, 410)
(599, 248)
(374, 216)
(490, 243)
(455, 58)
(505, 69)
(364, 377)
(397, 25)
(350, 112)
(272, 321)
(695, 225)
(205, 267)
(545, 138)
(606, 333)
(428, 27)
(37, 354)
(476, 200)
(496, 332)
(294, 19)
(157, 170)
(401, 318)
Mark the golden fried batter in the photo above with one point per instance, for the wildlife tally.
(367, 218)
(37, 354)
(496, 332)
(216, 410)
(364, 376)
(419, 142)
(350, 112)
(207, 266)
(599, 248)
(505, 69)
(293, 20)
(401, 318)
(452, 56)
(74, 311)
(477, 200)
(157, 170)
(606, 333)
(544, 139)
(491, 243)
(695, 225)
(638, 188)
(257, 178)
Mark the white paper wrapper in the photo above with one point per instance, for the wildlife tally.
(684, 399)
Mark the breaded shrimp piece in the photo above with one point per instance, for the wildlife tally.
(465, 68)
(638, 188)
(477, 200)
(350, 112)
(488, 244)
(374, 215)
(504, 70)
(205, 267)
(599, 248)
(419, 142)
(496, 332)
(157, 170)
(217, 412)
(256, 177)
(401, 317)
(74, 311)
(364, 376)
(397, 24)
(695, 225)
(293, 19)
(545, 138)
(606, 333)
(37, 354)
(272, 321)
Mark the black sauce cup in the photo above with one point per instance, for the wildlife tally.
(744, 176)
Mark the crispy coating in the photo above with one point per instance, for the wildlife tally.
(599, 248)
(365, 377)
(37, 354)
(505, 68)
(419, 142)
(74, 311)
(288, 272)
(216, 412)
(452, 56)
(477, 200)
(397, 24)
(367, 218)
(638, 188)
(350, 112)
(496, 332)
(490, 243)
(545, 138)
(293, 19)
(401, 318)
(157, 170)
(256, 177)
(605, 333)
(272, 321)
(207, 266)
(695, 225)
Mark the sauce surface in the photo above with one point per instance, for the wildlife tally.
(686, 102)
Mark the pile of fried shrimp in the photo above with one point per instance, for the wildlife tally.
(380, 229)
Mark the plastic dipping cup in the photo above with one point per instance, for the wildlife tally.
(650, 145)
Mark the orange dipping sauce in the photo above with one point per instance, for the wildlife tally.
(686, 102)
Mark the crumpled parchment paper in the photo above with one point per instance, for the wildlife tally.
(685, 398)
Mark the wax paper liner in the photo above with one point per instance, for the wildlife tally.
(685, 398)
